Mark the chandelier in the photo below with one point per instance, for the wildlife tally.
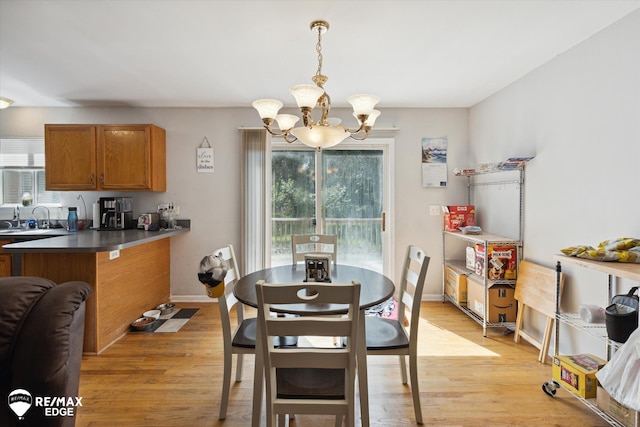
(327, 131)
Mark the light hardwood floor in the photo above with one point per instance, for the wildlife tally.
(174, 379)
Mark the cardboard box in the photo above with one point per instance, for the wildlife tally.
(616, 410)
(577, 373)
(501, 301)
(455, 286)
(501, 262)
(458, 216)
(470, 259)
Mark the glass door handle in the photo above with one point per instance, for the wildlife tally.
(384, 222)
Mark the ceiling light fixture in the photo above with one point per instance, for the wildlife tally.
(328, 131)
(5, 102)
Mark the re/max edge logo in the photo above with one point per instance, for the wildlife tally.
(20, 401)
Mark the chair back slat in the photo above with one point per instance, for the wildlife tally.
(308, 293)
(332, 327)
(228, 301)
(323, 358)
(414, 273)
(304, 244)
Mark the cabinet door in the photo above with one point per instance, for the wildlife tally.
(70, 157)
(5, 265)
(125, 157)
(5, 260)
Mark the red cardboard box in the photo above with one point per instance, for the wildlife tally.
(458, 216)
(500, 263)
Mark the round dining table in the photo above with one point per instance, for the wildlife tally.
(375, 288)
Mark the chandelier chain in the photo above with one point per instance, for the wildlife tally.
(319, 50)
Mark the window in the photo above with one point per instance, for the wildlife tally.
(22, 171)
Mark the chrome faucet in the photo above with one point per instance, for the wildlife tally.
(48, 222)
(16, 216)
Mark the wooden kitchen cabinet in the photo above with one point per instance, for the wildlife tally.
(132, 157)
(5, 260)
(105, 157)
(71, 157)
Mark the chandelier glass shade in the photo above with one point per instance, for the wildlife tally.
(327, 131)
(5, 102)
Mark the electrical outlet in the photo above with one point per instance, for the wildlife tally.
(434, 210)
(176, 210)
(114, 254)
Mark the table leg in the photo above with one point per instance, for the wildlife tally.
(258, 380)
(363, 383)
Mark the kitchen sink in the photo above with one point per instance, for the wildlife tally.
(29, 231)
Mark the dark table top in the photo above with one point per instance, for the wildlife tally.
(375, 287)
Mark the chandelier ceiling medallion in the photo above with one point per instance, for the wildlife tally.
(327, 131)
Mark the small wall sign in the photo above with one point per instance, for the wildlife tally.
(204, 157)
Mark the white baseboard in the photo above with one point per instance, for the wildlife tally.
(432, 297)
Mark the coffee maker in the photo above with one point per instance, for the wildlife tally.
(116, 213)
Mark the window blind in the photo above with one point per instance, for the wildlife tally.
(22, 153)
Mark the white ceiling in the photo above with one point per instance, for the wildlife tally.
(228, 53)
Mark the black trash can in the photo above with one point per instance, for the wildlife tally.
(621, 321)
(621, 317)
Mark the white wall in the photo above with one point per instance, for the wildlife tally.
(212, 201)
(579, 114)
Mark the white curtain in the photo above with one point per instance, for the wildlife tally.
(256, 190)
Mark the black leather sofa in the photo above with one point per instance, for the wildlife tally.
(41, 338)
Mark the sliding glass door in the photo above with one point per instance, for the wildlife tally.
(343, 191)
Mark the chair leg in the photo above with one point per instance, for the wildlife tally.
(239, 360)
(226, 385)
(403, 368)
(282, 420)
(339, 421)
(363, 381)
(413, 371)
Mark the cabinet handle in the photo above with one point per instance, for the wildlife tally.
(101, 178)
(92, 178)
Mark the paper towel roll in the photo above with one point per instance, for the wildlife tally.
(96, 215)
(592, 313)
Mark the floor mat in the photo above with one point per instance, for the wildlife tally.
(171, 322)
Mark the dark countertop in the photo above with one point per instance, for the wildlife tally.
(62, 241)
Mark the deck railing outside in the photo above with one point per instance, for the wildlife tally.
(356, 236)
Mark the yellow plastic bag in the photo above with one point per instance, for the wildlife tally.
(215, 291)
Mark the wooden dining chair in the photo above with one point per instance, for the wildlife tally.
(309, 379)
(241, 340)
(305, 244)
(389, 336)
